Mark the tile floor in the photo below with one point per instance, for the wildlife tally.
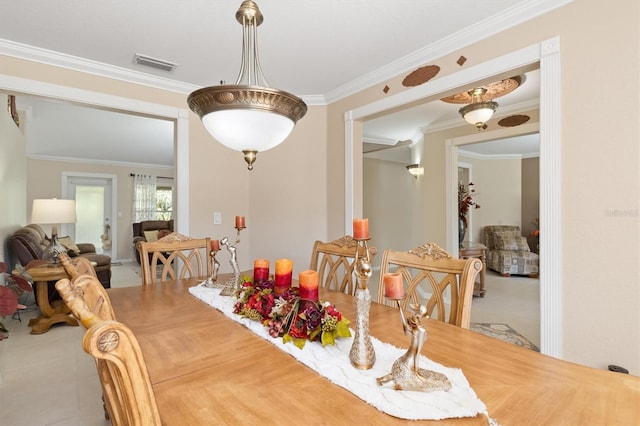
(48, 379)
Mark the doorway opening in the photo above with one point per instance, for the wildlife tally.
(546, 56)
(96, 204)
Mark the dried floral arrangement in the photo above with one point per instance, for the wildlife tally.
(288, 316)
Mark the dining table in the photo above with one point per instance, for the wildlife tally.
(207, 369)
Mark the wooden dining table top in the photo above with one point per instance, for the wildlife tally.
(207, 369)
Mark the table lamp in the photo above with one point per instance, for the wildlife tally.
(53, 212)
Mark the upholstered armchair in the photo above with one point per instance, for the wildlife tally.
(149, 231)
(508, 251)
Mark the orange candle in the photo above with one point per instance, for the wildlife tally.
(360, 229)
(260, 270)
(240, 222)
(215, 245)
(393, 288)
(309, 285)
(284, 271)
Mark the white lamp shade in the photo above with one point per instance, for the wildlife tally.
(481, 115)
(248, 129)
(53, 211)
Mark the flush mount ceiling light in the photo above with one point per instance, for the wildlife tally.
(415, 170)
(248, 116)
(478, 111)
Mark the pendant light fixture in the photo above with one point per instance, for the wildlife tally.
(478, 112)
(249, 116)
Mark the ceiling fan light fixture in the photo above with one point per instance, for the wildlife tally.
(478, 112)
(248, 116)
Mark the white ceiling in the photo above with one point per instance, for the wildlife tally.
(321, 51)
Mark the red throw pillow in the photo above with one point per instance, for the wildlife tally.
(163, 233)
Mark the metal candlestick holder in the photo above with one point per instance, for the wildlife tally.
(405, 373)
(231, 286)
(212, 281)
(362, 354)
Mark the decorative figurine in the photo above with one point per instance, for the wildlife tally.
(405, 373)
(233, 284)
(212, 281)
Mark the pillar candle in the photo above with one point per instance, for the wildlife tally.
(260, 270)
(240, 222)
(284, 271)
(309, 285)
(215, 245)
(393, 288)
(360, 229)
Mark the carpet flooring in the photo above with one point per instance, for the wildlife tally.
(503, 332)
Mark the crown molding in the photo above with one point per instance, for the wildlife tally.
(50, 57)
(486, 28)
(478, 156)
(98, 161)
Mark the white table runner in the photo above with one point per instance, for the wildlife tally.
(332, 362)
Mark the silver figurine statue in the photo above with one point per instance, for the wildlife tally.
(231, 286)
(405, 373)
(212, 281)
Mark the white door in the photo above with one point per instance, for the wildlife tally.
(94, 208)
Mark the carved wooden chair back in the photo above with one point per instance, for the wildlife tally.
(123, 372)
(430, 276)
(126, 388)
(77, 265)
(85, 290)
(334, 262)
(191, 254)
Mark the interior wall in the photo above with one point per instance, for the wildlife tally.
(44, 180)
(498, 192)
(13, 179)
(288, 195)
(530, 199)
(393, 205)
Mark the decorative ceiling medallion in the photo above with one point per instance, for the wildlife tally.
(513, 120)
(461, 60)
(421, 75)
(386, 89)
(494, 90)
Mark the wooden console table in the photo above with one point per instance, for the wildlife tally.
(50, 313)
(468, 249)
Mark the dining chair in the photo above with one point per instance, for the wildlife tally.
(86, 290)
(433, 277)
(126, 387)
(159, 259)
(334, 262)
(77, 265)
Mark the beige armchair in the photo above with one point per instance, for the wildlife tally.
(508, 252)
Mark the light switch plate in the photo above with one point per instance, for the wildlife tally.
(217, 218)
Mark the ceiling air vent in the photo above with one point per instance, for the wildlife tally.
(154, 62)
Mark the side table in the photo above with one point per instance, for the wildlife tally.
(50, 313)
(467, 250)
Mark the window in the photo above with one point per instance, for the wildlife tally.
(164, 202)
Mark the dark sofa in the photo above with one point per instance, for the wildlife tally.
(29, 242)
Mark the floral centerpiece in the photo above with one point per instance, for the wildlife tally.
(288, 316)
(465, 200)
